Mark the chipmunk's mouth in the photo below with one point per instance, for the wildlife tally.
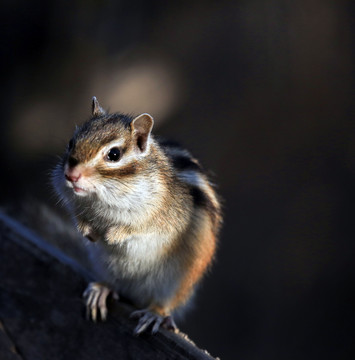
(77, 189)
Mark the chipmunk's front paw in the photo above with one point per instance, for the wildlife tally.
(148, 319)
(95, 297)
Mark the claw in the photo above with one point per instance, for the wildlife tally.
(149, 319)
(95, 297)
(92, 305)
(137, 314)
(102, 303)
(156, 326)
(169, 323)
(143, 324)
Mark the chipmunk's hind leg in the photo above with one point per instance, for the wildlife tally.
(95, 296)
(148, 319)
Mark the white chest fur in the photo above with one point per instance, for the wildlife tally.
(139, 254)
(140, 269)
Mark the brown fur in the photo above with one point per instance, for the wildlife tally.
(201, 246)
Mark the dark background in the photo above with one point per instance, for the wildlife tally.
(259, 91)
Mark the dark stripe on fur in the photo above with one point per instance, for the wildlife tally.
(201, 200)
(184, 163)
(199, 197)
(72, 161)
(128, 170)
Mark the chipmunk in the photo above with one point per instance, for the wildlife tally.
(148, 207)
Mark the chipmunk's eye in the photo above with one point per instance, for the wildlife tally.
(114, 154)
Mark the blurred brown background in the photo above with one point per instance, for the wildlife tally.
(261, 92)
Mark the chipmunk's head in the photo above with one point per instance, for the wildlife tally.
(106, 153)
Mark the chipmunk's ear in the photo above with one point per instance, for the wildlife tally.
(141, 126)
(97, 110)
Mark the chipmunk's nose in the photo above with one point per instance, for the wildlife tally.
(72, 175)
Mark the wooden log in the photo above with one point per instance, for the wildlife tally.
(42, 313)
